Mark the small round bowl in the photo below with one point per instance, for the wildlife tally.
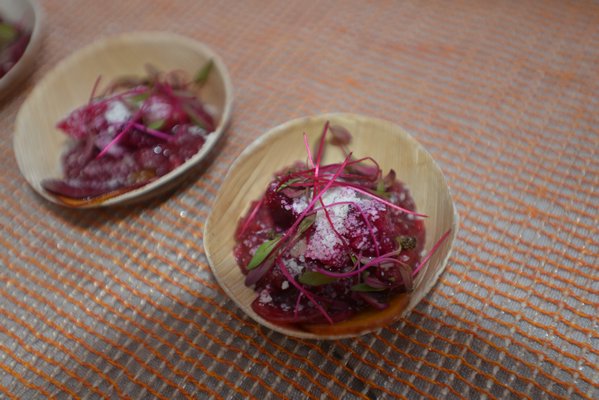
(29, 14)
(39, 145)
(387, 143)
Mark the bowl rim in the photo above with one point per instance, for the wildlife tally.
(280, 130)
(27, 61)
(150, 189)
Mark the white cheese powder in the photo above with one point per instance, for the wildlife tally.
(117, 112)
(322, 243)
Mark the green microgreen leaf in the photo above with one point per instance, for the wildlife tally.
(202, 75)
(138, 98)
(262, 252)
(289, 182)
(362, 287)
(7, 32)
(380, 188)
(406, 242)
(314, 278)
(306, 223)
(156, 125)
(194, 116)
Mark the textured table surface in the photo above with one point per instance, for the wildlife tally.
(120, 303)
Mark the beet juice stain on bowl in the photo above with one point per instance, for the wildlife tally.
(326, 242)
(136, 131)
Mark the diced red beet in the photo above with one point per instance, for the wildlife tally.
(85, 121)
(279, 206)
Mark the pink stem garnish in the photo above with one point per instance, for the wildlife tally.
(431, 252)
(308, 150)
(251, 216)
(367, 193)
(297, 304)
(375, 261)
(94, 89)
(118, 137)
(303, 291)
(320, 148)
(153, 132)
(126, 129)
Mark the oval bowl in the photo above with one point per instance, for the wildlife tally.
(39, 145)
(387, 143)
(30, 15)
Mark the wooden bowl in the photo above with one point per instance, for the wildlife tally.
(387, 143)
(29, 14)
(39, 145)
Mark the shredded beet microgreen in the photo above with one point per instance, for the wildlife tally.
(133, 132)
(327, 241)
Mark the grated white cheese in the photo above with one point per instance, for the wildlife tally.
(323, 242)
(299, 204)
(293, 267)
(158, 109)
(117, 112)
(196, 130)
(265, 297)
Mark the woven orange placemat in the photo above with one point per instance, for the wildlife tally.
(120, 303)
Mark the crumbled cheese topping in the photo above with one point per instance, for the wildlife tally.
(322, 244)
(293, 267)
(157, 108)
(299, 204)
(117, 112)
(265, 297)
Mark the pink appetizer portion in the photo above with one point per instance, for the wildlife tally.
(135, 132)
(326, 242)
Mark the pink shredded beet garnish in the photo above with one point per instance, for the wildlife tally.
(134, 132)
(328, 241)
